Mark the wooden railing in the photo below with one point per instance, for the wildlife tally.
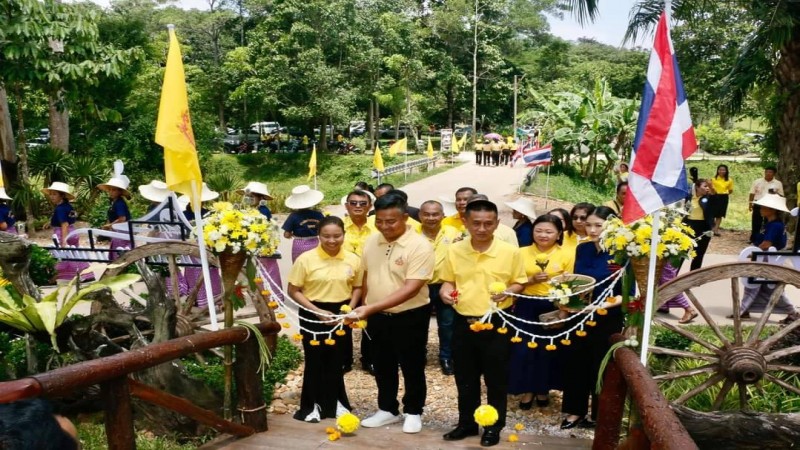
(111, 373)
(660, 427)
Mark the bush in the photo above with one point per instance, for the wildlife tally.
(42, 268)
(286, 358)
(720, 141)
(14, 360)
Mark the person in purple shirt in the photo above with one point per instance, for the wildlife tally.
(118, 212)
(62, 222)
(7, 219)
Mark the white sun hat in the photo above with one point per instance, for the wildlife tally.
(523, 206)
(3, 195)
(448, 205)
(118, 181)
(773, 201)
(155, 191)
(303, 197)
(255, 187)
(58, 186)
(206, 195)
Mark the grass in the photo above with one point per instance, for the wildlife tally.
(573, 189)
(764, 397)
(93, 437)
(336, 174)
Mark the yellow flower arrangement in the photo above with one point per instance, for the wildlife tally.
(519, 427)
(486, 415)
(513, 437)
(591, 323)
(497, 287)
(348, 423)
(633, 240)
(234, 230)
(477, 326)
(340, 332)
(314, 342)
(542, 261)
(601, 311)
(580, 333)
(330, 341)
(345, 309)
(532, 344)
(502, 330)
(516, 339)
(550, 347)
(488, 326)
(566, 342)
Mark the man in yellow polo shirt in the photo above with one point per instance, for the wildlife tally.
(357, 229)
(470, 267)
(462, 197)
(399, 263)
(440, 236)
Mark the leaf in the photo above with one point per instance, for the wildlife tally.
(31, 313)
(47, 313)
(250, 270)
(15, 319)
(119, 282)
(116, 284)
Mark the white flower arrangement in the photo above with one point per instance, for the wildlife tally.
(234, 230)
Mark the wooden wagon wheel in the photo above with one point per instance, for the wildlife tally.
(739, 359)
(190, 319)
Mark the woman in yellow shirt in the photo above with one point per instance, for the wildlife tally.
(569, 239)
(322, 281)
(722, 186)
(700, 219)
(534, 372)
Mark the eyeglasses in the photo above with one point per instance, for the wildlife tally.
(581, 218)
(357, 203)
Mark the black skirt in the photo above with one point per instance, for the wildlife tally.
(719, 205)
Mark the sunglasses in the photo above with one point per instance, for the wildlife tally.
(581, 218)
(358, 203)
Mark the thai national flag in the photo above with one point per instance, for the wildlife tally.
(664, 135)
(535, 156)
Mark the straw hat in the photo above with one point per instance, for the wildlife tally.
(255, 187)
(303, 197)
(448, 205)
(58, 186)
(155, 191)
(773, 201)
(118, 181)
(206, 195)
(523, 206)
(3, 195)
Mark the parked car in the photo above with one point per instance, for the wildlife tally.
(239, 142)
(357, 128)
(266, 127)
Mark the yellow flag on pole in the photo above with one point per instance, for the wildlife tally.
(312, 164)
(454, 146)
(462, 143)
(399, 146)
(174, 126)
(430, 148)
(377, 160)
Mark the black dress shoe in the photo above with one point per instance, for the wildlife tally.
(460, 432)
(566, 424)
(526, 405)
(368, 368)
(447, 367)
(347, 368)
(587, 423)
(490, 438)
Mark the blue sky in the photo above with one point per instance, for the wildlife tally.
(609, 27)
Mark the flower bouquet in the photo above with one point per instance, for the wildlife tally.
(228, 229)
(632, 241)
(571, 292)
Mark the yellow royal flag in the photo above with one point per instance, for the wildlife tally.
(454, 146)
(312, 164)
(462, 143)
(399, 146)
(430, 148)
(174, 126)
(377, 160)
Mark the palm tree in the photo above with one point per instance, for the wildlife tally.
(768, 56)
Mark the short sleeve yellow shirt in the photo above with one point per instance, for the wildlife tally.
(446, 236)
(354, 237)
(325, 278)
(722, 186)
(472, 272)
(560, 260)
(455, 222)
(389, 264)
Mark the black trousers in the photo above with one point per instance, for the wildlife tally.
(699, 227)
(756, 223)
(476, 354)
(582, 362)
(401, 339)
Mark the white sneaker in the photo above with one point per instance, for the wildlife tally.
(413, 423)
(380, 419)
(341, 410)
(313, 416)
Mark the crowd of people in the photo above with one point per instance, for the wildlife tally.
(394, 265)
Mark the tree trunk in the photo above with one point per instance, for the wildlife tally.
(474, 77)
(787, 74)
(59, 122)
(22, 152)
(323, 135)
(451, 104)
(740, 430)
(221, 114)
(370, 128)
(7, 151)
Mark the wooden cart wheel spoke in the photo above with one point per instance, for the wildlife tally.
(723, 392)
(737, 312)
(782, 368)
(771, 356)
(174, 273)
(770, 341)
(709, 320)
(687, 373)
(712, 380)
(742, 395)
(782, 383)
(684, 354)
(773, 300)
(688, 335)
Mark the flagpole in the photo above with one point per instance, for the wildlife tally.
(198, 217)
(651, 281)
(315, 181)
(547, 187)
